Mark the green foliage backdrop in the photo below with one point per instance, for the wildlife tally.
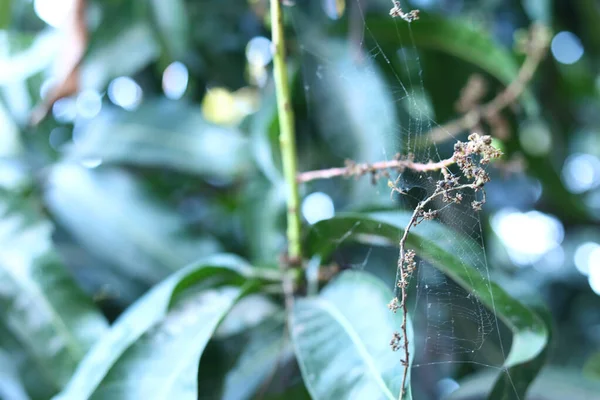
(143, 240)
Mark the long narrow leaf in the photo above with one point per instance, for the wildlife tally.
(163, 363)
(342, 340)
(139, 332)
(530, 334)
(41, 307)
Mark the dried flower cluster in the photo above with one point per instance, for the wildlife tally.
(476, 205)
(408, 267)
(471, 157)
(396, 12)
(394, 305)
(396, 342)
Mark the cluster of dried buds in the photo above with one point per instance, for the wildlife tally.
(464, 154)
(394, 305)
(446, 187)
(471, 157)
(396, 342)
(477, 205)
(425, 216)
(408, 267)
(396, 12)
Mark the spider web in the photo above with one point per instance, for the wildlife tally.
(356, 74)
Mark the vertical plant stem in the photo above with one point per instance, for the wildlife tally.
(287, 139)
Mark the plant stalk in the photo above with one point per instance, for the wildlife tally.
(287, 138)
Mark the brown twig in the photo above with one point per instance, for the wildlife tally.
(536, 50)
(360, 169)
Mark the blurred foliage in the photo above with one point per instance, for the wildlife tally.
(140, 236)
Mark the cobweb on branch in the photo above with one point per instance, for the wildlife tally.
(372, 82)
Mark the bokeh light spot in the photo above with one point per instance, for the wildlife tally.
(584, 254)
(58, 137)
(535, 138)
(175, 80)
(566, 48)
(527, 236)
(317, 207)
(91, 163)
(594, 271)
(65, 110)
(88, 103)
(581, 172)
(259, 51)
(446, 386)
(334, 9)
(53, 12)
(223, 107)
(125, 92)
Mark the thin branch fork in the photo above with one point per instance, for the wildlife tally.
(402, 274)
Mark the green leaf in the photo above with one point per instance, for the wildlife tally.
(264, 131)
(164, 134)
(518, 378)
(352, 99)
(158, 341)
(171, 23)
(553, 383)
(342, 340)
(163, 363)
(142, 238)
(123, 26)
(261, 214)
(5, 13)
(41, 308)
(24, 55)
(260, 357)
(530, 334)
(239, 364)
(355, 109)
(10, 141)
(264, 203)
(591, 369)
(295, 392)
(37, 383)
(11, 386)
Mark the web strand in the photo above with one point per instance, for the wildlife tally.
(457, 326)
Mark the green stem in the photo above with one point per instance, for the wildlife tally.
(287, 139)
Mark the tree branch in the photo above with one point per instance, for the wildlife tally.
(361, 169)
(535, 49)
